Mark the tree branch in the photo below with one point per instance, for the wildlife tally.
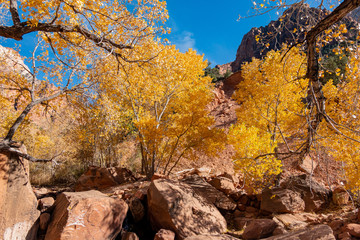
(6, 146)
(17, 31)
(14, 12)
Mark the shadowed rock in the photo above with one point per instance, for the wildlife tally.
(278, 200)
(259, 228)
(175, 206)
(18, 204)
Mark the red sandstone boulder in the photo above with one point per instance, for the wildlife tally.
(44, 221)
(240, 222)
(336, 224)
(18, 204)
(41, 192)
(291, 222)
(278, 200)
(340, 196)
(233, 178)
(164, 234)
(86, 215)
(45, 203)
(122, 175)
(158, 176)
(95, 178)
(308, 164)
(175, 206)
(259, 228)
(101, 178)
(137, 209)
(353, 229)
(314, 194)
(223, 184)
(130, 236)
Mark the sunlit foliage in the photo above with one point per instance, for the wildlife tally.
(167, 98)
(271, 98)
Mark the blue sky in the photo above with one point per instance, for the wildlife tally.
(211, 27)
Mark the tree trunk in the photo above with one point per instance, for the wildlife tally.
(317, 105)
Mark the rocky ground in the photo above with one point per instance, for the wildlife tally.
(114, 204)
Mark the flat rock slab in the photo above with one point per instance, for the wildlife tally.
(212, 237)
(213, 195)
(86, 215)
(319, 232)
(292, 222)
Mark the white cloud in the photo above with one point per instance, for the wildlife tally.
(184, 41)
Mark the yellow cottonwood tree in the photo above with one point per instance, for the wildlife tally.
(274, 102)
(340, 131)
(167, 98)
(313, 36)
(271, 109)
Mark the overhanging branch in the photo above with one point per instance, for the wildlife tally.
(17, 32)
(6, 146)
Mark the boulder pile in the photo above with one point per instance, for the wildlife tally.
(193, 207)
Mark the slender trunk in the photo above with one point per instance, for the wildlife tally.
(143, 168)
(18, 121)
(152, 169)
(101, 156)
(177, 161)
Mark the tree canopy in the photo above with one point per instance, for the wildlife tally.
(73, 36)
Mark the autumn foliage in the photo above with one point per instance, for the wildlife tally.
(166, 98)
(101, 75)
(273, 98)
(271, 110)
